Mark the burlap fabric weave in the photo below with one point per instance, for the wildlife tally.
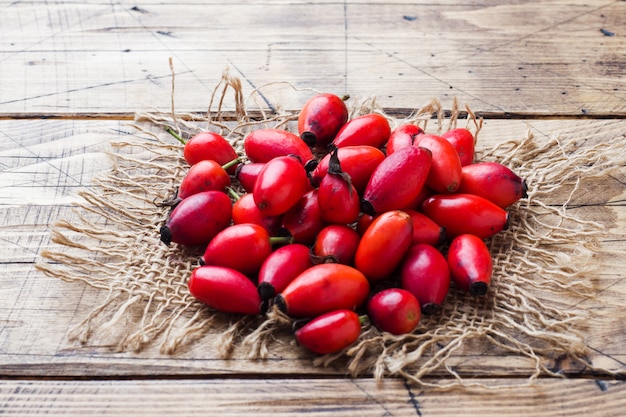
(545, 255)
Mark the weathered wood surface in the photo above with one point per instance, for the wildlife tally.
(550, 67)
(318, 397)
(554, 57)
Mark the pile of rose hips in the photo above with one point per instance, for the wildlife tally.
(380, 221)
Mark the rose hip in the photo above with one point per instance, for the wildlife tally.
(337, 244)
(245, 210)
(242, 247)
(403, 137)
(445, 172)
(209, 146)
(304, 220)
(281, 267)
(464, 142)
(281, 183)
(330, 332)
(263, 145)
(339, 201)
(493, 181)
(394, 310)
(197, 219)
(247, 174)
(357, 161)
(321, 117)
(465, 213)
(371, 129)
(205, 175)
(384, 244)
(225, 290)
(397, 181)
(470, 264)
(425, 274)
(323, 288)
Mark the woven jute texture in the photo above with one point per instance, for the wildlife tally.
(543, 262)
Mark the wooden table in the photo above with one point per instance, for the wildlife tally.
(73, 74)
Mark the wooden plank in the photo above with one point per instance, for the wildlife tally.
(502, 58)
(36, 312)
(319, 397)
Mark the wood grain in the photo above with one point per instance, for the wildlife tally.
(502, 58)
(319, 397)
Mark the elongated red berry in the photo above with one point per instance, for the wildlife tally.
(463, 141)
(465, 213)
(242, 247)
(359, 162)
(209, 146)
(470, 263)
(323, 288)
(225, 290)
(247, 174)
(384, 244)
(197, 219)
(425, 274)
(397, 180)
(370, 129)
(245, 210)
(205, 175)
(338, 199)
(281, 183)
(263, 145)
(403, 137)
(304, 220)
(445, 172)
(321, 117)
(493, 181)
(330, 332)
(280, 268)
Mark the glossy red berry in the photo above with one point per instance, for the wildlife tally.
(384, 244)
(281, 183)
(371, 129)
(330, 332)
(323, 288)
(465, 213)
(339, 201)
(321, 117)
(403, 137)
(209, 146)
(242, 247)
(445, 171)
(425, 274)
(263, 145)
(281, 267)
(394, 310)
(463, 141)
(470, 263)
(225, 290)
(493, 181)
(397, 181)
(197, 219)
(336, 243)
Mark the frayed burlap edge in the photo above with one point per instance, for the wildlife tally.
(544, 254)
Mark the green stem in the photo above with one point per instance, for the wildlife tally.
(277, 240)
(175, 134)
(231, 163)
(233, 193)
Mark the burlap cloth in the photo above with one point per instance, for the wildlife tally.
(543, 263)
